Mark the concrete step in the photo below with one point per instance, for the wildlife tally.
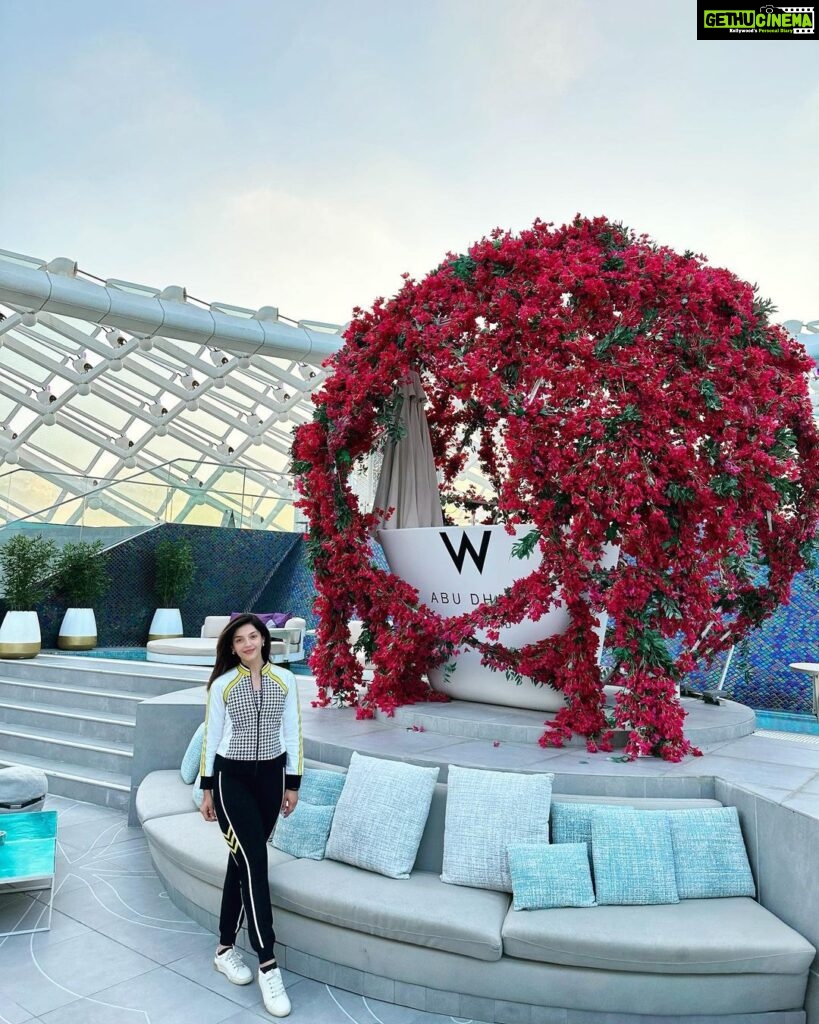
(76, 781)
(76, 721)
(142, 678)
(73, 717)
(105, 702)
(61, 747)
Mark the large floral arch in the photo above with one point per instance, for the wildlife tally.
(614, 390)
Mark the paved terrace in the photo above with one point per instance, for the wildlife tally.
(120, 951)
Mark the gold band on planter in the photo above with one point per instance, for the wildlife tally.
(76, 643)
(164, 636)
(19, 650)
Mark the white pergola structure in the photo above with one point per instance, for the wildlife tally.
(122, 404)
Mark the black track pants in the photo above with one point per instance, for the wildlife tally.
(247, 805)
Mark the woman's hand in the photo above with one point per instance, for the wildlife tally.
(208, 812)
(291, 798)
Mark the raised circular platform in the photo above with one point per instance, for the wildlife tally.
(704, 723)
(506, 739)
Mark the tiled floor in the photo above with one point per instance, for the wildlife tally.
(119, 952)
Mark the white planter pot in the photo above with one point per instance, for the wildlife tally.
(457, 568)
(167, 622)
(78, 631)
(20, 635)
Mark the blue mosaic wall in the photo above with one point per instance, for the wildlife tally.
(292, 588)
(234, 572)
(762, 679)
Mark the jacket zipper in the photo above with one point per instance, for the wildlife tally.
(258, 722)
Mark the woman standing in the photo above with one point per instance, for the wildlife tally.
(251, 770)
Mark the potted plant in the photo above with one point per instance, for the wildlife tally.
(82, 576)
(174, 570)
(26, 562)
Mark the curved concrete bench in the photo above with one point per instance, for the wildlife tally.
(457, 950)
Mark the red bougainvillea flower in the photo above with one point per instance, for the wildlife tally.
(613, 390)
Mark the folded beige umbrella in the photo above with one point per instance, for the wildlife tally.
(408, 481)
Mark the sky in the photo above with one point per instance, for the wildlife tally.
(305, 155)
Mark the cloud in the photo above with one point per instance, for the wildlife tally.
(523, 53)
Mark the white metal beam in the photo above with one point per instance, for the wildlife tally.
(36, 289)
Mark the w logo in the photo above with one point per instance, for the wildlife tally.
(478, 557)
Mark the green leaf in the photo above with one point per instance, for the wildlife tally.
(621, 335)
(725, 486)
(709, 393)
(679, 493)
(463, 267)
(526, 545)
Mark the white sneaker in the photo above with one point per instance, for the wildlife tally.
(231, 964)
(273, 993)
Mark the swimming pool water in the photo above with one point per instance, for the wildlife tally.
(117, 653)
(783, 722)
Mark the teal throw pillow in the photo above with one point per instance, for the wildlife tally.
(485, 811)
(546, 876)
(572, 823)
(304, 832)
(633, 857)
(709, 853)
(381, 814)
(319, 786)
(190, 760)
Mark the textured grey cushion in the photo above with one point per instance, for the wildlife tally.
(715, 936)
(420, 910)
(485, 811)
(381, 814)
(22, 788)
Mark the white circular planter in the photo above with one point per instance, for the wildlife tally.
(166, 623)
(78, 631)
(20, 635)
(457, 568)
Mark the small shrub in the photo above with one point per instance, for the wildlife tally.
(26, 561)
(174, 574)
(82, 575)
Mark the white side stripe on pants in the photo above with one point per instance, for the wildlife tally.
(247, 869)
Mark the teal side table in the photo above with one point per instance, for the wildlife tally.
(27, 857)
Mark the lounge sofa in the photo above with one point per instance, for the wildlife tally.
(287, 645)
(459, 950)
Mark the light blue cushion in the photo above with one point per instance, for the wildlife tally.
(709, 853)
(190, 760)
(545, 876)
(198, 795)
(485, 811)
(304, 832)
(318, 786)
(633, 857)
(572, 823)
(380, 815)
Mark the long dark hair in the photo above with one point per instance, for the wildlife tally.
(226, 657)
